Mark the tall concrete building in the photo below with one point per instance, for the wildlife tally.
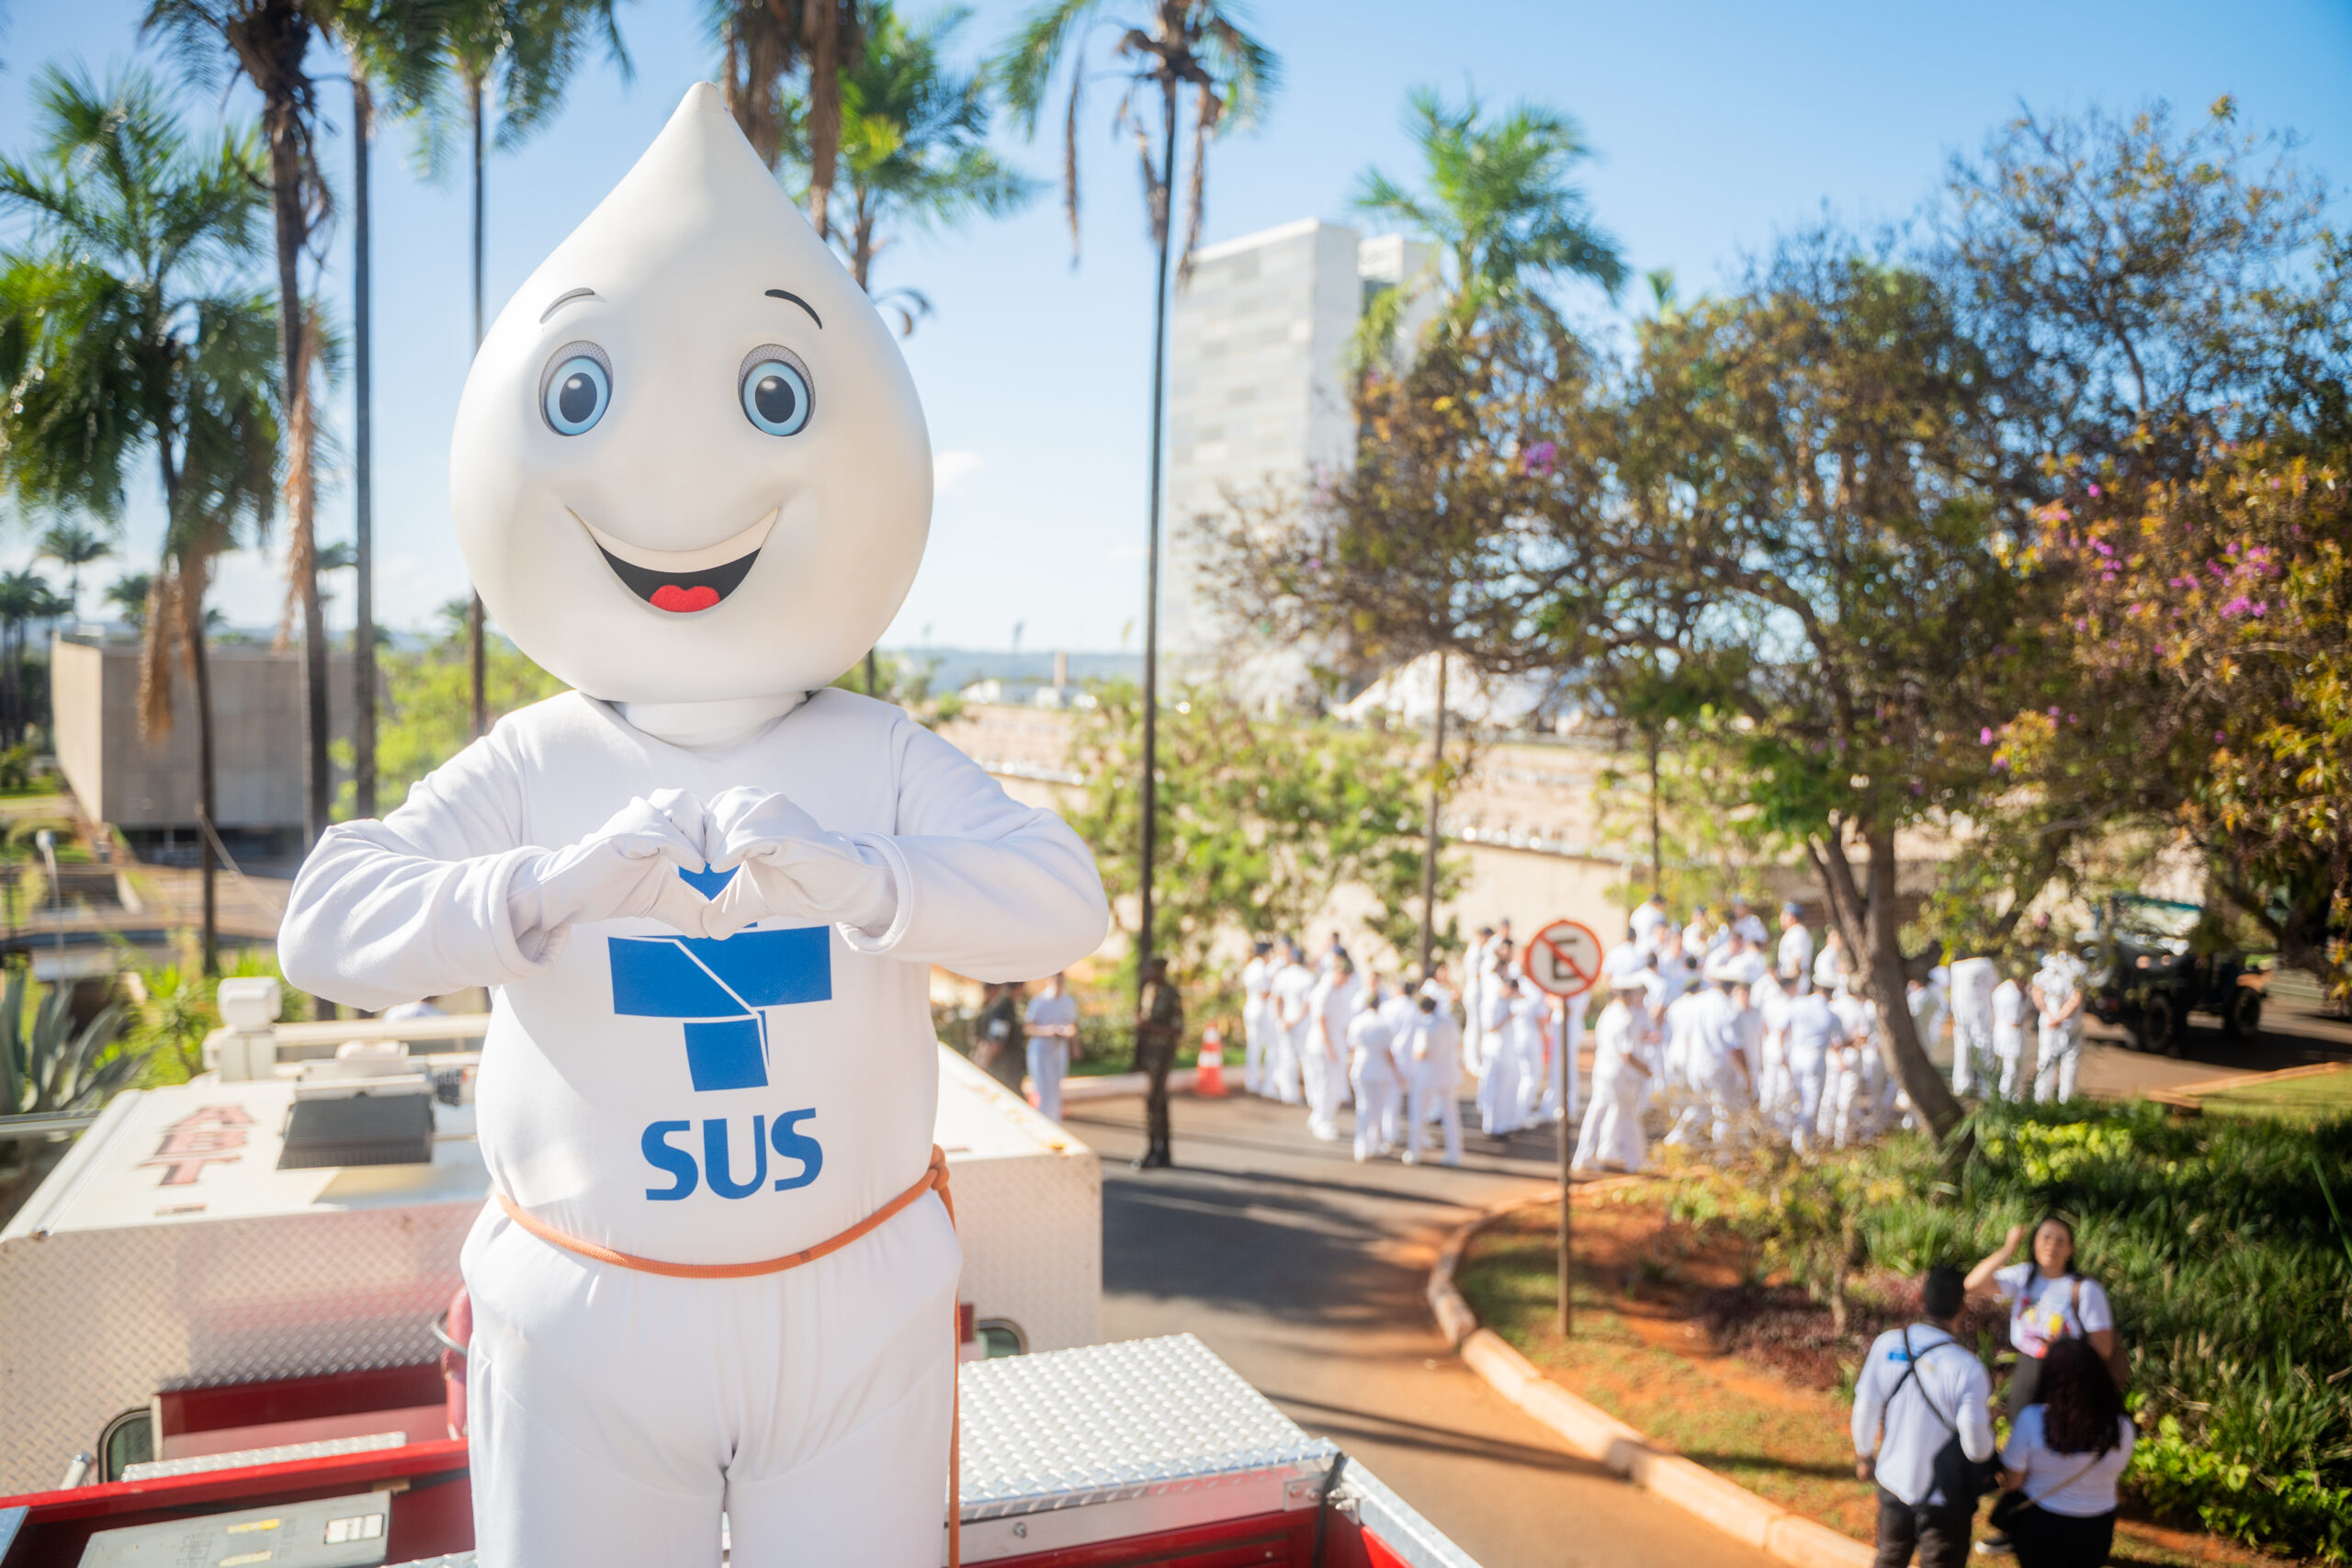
(1259, 343)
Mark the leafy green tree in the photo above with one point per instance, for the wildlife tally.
(1805, 462)
(24, 597)
(1500, 213)
(429, 716)
(1182, 44)
(513, 59)
(1414, 551)
(2210, 613)
(1268, 816)
(128, 335)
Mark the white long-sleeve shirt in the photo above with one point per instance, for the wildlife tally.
(682, 1098)
(1949, 1391)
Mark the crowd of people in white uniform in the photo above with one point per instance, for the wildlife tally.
(1716, 1031)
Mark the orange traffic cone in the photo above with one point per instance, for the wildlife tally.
(1211, 1079)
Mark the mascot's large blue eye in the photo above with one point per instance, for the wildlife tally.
(775, 392)
(579, 391)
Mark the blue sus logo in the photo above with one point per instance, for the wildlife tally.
(722, 988)
(720, 991)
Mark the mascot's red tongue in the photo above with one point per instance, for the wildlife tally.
(685, 601)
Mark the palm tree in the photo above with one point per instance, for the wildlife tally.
(763, 43)
(128, 596)
(128, 335)
(24, 597)
(1498, 210)
(1503, 219)
(266, 42)
(394, 45)
(914, 145)
(1183, 44)
(525, 53)
(74, 546)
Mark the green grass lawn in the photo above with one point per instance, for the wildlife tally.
(2305, 1101)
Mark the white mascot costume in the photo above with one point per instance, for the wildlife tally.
(691, 478)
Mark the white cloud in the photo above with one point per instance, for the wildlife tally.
(950, 469)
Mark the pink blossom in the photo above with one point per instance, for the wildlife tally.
(2094, 490)
(2237, 607)
(1984, 736)
(1540, 456)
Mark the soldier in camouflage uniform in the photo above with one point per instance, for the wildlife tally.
(1159, 1027)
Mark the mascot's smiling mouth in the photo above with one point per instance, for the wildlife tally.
(682, 581)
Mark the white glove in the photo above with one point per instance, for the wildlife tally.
(786, 867)
(626, 869)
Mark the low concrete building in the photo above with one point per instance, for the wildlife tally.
(119, 776)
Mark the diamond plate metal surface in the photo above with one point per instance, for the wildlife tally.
(284, 1453)
(100, 1321)
(1107, 1422)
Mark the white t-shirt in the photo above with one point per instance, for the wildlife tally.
(1336, 1000)
(1796, 952)
(1047, 1011)
(2076, 1486)
(2043, 1309)
(1258, 983)
(1812, 1030)
(2008, 1007)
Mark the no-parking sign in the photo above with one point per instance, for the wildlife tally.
(1563, 958)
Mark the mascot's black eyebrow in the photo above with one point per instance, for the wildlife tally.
(780, 294)
(563, 299)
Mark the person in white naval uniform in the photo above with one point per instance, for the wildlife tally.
(691, 478)
(1437, 1080)
(1973, 980)
(1294, 992)
(1372, 1070)
(1612, 1134)
(2010, 1006)
(1795, 951)
(1324, 1057)
(1257, 1014)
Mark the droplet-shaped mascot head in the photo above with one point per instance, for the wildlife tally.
(689, 462)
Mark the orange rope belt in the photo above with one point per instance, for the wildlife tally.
(933, 1179)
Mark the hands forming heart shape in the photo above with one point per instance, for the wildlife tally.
(711, 870)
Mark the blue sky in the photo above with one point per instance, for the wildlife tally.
(1715, 124)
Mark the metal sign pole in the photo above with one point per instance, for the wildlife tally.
(1567, 1154)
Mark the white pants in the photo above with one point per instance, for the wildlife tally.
(1504, 1093)
(614, 1415)
(2053, 1066)
(1326, 1087)
(1377, 1094)
(1257, 1029)
(1807, 1076)
(1971, 1051)
(1283, 1064)
(1612, 1134)
(1048, 1065)
(1440, 1102)
(2008, 1049)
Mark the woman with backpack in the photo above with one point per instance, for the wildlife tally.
(2048, 1303)
(2063, 1456)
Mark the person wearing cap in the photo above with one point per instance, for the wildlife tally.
(1813, 1030)
(1746, 922)
(1256, 1013)
(1648, 916)
(1612, 1134)
(1923, 1430)
(1795, 953)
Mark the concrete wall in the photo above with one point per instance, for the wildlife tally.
(119, 776)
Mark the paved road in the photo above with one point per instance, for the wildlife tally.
(1305, 1271)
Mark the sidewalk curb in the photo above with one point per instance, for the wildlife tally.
(1122, 1086)
(1596, 1435)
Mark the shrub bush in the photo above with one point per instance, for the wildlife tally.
(2220, 1241)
